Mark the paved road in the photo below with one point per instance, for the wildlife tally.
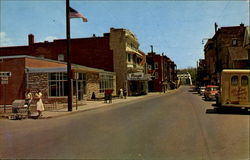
(176, 126)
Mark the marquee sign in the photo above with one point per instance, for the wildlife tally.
(138, 76)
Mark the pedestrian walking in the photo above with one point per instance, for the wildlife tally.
(121, 93)
(28, 97)
(125, 93)
(39, 103)
(93, 96)
(28, 100)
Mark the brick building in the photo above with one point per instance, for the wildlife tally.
(162, 71)
(117, 51)
(201, 78)
(226, 50)
(51, 77)
(92, 52)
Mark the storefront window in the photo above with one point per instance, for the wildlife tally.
(58, 84)
(106, 82)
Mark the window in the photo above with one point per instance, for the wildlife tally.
(60, 57)
(244, 81)
(82, 82)
(156, 75)
(234, 42)
(134, 58)
(129, 57)
(234, 80)
(58, 84)
(156, 65)
(106, 82)
(139, 60)
(149, 67)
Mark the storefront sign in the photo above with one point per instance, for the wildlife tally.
(137, 76)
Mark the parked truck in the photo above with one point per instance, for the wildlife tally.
(234, 89)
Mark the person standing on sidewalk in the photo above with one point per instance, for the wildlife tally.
(121, 93)
(28, 100)
(125, 93)
(28, 97)
(39, 103)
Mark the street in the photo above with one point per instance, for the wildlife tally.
(176, 126)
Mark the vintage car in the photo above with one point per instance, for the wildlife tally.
(235, 89)
(201, 90)
(210, 92)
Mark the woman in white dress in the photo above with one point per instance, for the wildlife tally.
(39, 103)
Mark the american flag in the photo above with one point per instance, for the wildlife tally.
(74, 14)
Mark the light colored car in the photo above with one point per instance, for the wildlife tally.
(201, 90)
(210, 92)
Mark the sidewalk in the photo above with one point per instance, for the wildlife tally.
(90, 105)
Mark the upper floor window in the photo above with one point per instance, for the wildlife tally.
(129, 57)
(60, 57)
(234, 42)
(149, 67)
(156, 65)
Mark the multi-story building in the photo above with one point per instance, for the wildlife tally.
(162, 71)
(226, 50)
(117, 51)
(201, 78)
(128, 61)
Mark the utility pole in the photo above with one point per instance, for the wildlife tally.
(217, 67)
(152, 50)
(69, 72)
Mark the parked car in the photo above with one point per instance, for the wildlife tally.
(201, 90)
(210, 92)
(235, 89)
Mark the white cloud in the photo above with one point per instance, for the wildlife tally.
(50, 38)
(4, 40)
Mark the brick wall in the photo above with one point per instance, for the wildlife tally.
(91, 52)
(15, 88)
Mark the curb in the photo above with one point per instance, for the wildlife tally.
(101, 105)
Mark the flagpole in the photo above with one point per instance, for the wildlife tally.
(69, 72)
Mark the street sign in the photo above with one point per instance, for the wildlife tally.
(5, 74)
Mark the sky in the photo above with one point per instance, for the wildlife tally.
(174, 28)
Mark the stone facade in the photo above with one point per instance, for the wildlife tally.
(93, 85)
